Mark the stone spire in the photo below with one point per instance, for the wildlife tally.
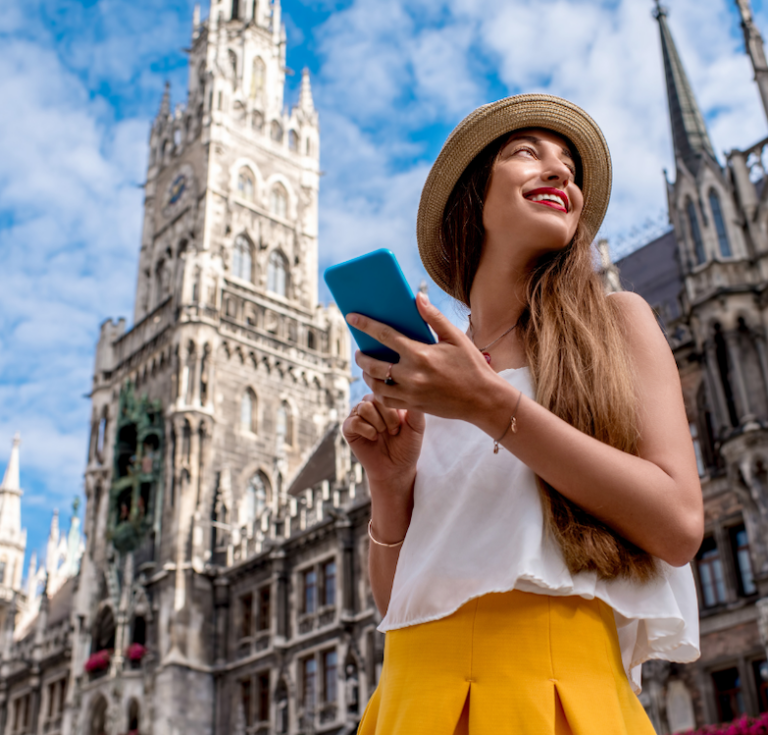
(10, 494)
(165, 104)
(753, 42)
(306, 103)
(689, 133)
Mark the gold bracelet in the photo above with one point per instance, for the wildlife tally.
(512, 425)
(378, 543)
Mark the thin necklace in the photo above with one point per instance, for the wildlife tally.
(484, 350)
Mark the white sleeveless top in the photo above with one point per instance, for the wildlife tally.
(478, 527)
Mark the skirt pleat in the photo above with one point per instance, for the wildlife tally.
(525, 664)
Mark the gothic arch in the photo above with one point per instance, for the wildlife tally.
(278, 273)
(243, 258)
(99, 716)
(718, 220)
(244, 163)
(693, 228)
(249, 410)
(282, 180)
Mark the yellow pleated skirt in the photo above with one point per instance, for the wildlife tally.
(513, 663)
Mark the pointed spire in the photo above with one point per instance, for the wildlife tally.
(689, 133)
(11, 477)
(306, 103)
(165, 105)
(753, 43)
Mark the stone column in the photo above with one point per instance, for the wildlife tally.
(762, 621)
(762, 357)
(345, 536)
(734, 353)
(715, 387)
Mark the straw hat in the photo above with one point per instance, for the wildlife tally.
(483, 126)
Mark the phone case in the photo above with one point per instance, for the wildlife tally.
(374, 285)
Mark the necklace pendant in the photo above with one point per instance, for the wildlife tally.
(487, 357)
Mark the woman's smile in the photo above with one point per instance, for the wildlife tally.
(555, 198)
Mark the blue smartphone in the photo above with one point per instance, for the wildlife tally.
(373, 285)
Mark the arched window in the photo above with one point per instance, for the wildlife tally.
(717, 216)
(693, 223)
(278, 201)
(310, 340)
(308, 147)
(235, 9)
(258, 122)
(241, 259)
(276, 131)
(285, 423)
(258, 77)
(277, 274)
(248, 410)
(258, 489)
(245, 184)
(293, 140)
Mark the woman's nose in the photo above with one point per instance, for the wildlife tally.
(556, 170)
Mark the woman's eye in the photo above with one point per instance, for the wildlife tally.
(524, 150)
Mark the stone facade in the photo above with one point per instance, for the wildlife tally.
(222, 589)
(707, 280)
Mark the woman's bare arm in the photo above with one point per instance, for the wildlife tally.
(653, 500)
(391, 510)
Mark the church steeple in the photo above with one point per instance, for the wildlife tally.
(753, 42)
(10, 494)
(689, 133)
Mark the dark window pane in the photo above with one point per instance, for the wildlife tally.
(245, 698)
(717, 215)
(329, 666)
(329, 583)
(310, 591)
(264, 609)
(760, 670)
(263, 697)
(310, 671)
(740, 542)
(246, 615)
(730, 699)
(693, 223)
(711, 573)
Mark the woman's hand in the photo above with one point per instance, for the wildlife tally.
(387, 441)
(443, 380)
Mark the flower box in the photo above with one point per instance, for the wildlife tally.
(98, 661)
(135, 652)
(743, 726)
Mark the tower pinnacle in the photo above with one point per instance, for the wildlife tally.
(11, 477)
(753, 43)
(689, 133)
(306, 103)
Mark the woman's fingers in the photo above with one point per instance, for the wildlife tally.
(388, 336)
(370, 418)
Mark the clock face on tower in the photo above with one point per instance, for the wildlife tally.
(179, 192)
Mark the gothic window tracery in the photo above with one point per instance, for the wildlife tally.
(278, 201)
(242, 260)
(258, 77)
(277, 274)
(693, 226)
(246, 186)
(293, 140)
(717, 217)
(285, 423)
(276, 131)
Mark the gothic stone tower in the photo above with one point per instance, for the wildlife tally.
(207, 407)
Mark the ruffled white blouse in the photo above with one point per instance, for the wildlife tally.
(478, 527)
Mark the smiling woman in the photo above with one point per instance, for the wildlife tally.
(572, 564)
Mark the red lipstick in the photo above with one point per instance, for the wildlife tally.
(559, 193)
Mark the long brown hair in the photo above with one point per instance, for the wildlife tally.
(576, 352)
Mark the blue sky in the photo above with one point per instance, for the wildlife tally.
(81, 80)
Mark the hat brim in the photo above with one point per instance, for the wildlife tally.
(483, 126)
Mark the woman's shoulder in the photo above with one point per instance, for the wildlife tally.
(638, 319)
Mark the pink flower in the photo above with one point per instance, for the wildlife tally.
(98, 661)
(135, 652)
